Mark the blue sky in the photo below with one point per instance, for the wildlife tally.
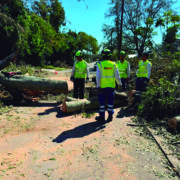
(90, 20)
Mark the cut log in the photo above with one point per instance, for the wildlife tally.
(91, 103)
(69, 107)
(30, 99)
(32, 95)
(21, 82)
(69, 99)
(174, 123)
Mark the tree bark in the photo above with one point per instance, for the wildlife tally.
(6, 61)
(21, 82)
(174, 123)
(91, 103)
(69, 99)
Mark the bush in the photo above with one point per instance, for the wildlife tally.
(23, 68)
(158, 101)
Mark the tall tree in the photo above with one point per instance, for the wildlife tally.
(50, 10)
(87, 42)
(139, 18)
(57, 15)
(115, 11)
(171, 23)
(13, 8)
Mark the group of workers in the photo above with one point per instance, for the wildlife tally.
(109, 75)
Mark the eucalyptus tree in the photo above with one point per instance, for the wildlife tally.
(139, 20)
(171, 23)
(50, 10)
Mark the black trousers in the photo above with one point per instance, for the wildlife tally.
(124, 83)
(79, 84)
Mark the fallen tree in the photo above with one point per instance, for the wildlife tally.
(21, 82)
(121, 99)
(6, 61)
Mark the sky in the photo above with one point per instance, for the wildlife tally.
(89, 16)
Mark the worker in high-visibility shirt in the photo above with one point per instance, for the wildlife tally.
(80, 74)
(143, 73)
(124, 70)
(106, 76)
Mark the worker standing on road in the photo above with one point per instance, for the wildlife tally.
(124, 70)
(106, 76)
(143, 73)
(80, 73)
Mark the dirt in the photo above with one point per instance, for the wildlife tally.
(39, 142)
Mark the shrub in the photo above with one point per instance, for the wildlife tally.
(158, 101)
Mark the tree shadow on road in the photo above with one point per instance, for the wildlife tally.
(80, 131)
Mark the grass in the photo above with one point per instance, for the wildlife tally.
(120, 140)
(88, 115)
(12, 121)
(55, 68)
(89, 151)
(166, 140)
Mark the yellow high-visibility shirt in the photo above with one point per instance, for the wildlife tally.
(107, 77)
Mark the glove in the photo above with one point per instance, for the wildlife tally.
(147, 80)
(99, 90)
(127, 79)
(71, 78)
(87, 79)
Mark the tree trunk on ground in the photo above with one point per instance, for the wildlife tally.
(69, 99)
(19, 82)
(174, 123)
(91, 103)
(6, 61)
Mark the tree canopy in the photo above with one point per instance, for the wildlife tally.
(40, 40)
(139, 21)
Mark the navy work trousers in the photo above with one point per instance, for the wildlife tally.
(106, 94)
(141, 84)
(79, 84)
(124, 83)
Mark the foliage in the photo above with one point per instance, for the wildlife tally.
(55, 68)
(36, 32)
(87, 42)
(38, 39)
(13, 9)
(139, 20)
(9, 36)
(50, 10)
(158, 101)
(57, 15)
(170, 22)
(23, 68)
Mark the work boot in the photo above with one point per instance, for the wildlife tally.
(110, 118)
(98, 118)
